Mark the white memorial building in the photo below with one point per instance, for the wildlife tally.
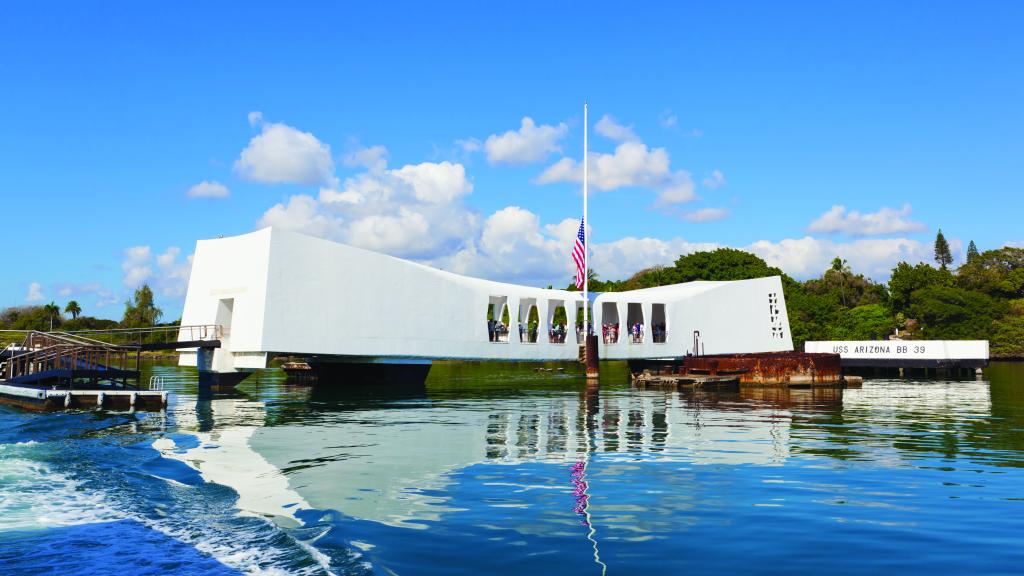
(276, 292)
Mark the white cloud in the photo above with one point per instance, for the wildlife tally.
(435, 182)
(808, 257)
(632, 164)
(104, 297)
(714, 180)
(207, 189)
(35, 293)
(679, 190)
(853, 223)
(283, 154)
(531, 143)
(302, 214)
(622, 258)
(515, 247)
(374, 158)
(414, 211)
(1015, 244)
(67, 289)
(706, 215)
(668, 119)
(173, 274)
(170, 277)
(136, 266)
(611, 129)
(469, 145)
(255, 118)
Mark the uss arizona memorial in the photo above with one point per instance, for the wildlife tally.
(277, 292)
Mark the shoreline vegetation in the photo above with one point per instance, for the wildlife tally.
(982, 299)
(139, 312)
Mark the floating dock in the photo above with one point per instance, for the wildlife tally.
(42, 399)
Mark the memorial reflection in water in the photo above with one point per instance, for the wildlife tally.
(389, 457)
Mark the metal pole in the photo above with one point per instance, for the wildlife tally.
(586, 236)
(590, 341)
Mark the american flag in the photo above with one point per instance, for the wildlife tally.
(579, 257)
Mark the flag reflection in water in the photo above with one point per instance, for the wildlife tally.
(577, 475)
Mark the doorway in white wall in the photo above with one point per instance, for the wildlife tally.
(225, 314)
(529, 320)
(580, 329)
(497, 319)
(610, 322)
(557, 321)
(635, 323)
(658, 327)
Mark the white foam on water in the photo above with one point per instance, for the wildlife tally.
(32, 497)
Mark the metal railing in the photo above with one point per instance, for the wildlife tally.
(130, 336)
(46, 351)
(95, 350)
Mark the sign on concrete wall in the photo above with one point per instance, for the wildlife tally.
(905, 352)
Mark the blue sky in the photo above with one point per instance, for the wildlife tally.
(449, 134)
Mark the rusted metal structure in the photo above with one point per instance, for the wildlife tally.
(789, 369)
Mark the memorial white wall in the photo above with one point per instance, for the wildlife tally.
(281, 292)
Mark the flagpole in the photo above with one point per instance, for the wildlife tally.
(586, 235)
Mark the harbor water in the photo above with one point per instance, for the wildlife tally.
(512, 471)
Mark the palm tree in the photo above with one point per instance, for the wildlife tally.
(51, 310)
(74, 309)
(839, 265)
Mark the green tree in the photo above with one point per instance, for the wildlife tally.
(952, 313)
(594, 283)
(906, 279)
(839, 267)
(1007, 338)
(140, 311)
(942, 253)
(870, 322)
(849, 290)
(810, 314)
(52, 311)
(721, 264)
(89, 323)
(995, 272)
(972, 251)
(25, 318)
(74, 309)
